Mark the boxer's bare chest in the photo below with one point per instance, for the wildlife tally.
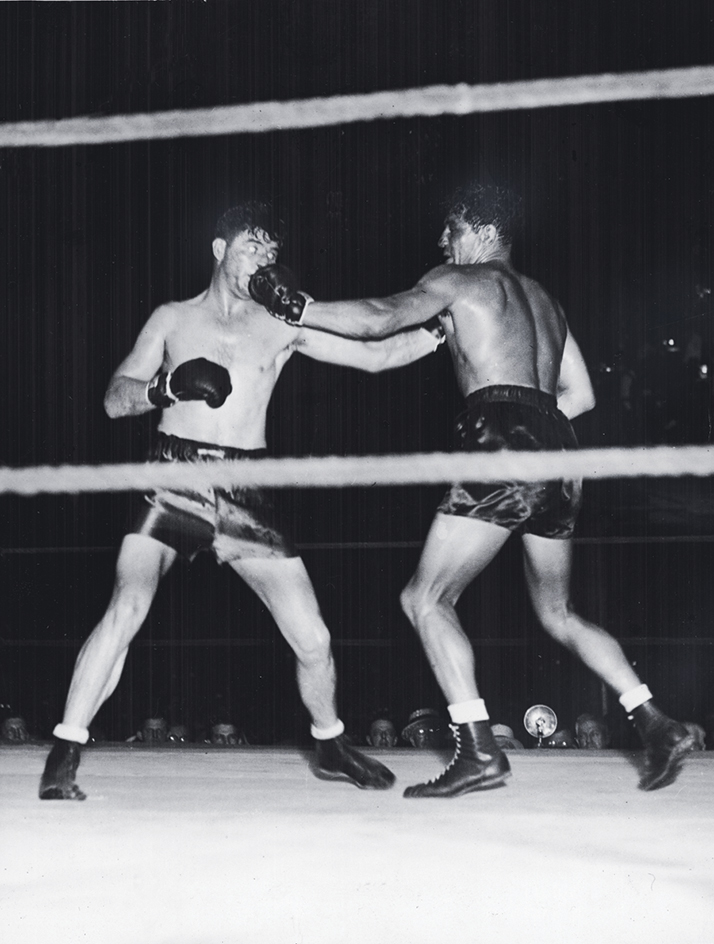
(245, 339)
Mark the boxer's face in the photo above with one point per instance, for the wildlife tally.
(248, 252)
(463, 244)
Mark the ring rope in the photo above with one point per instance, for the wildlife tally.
(599, 540)
(349, 471)
(431, 100)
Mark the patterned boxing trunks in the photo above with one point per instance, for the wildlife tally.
(234, 523)
(516, 418)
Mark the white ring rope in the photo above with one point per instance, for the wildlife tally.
(340, 109)
(336, 471)
(354, 471)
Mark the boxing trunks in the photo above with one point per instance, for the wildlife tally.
(516, 418)
(235, 524)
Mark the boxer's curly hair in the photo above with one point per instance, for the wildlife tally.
(482, 204)
(249, 216)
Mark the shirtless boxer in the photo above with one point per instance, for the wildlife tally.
(523, 379)
(210, 364)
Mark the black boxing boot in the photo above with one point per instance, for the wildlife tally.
(666, 742)
(60, 770)
(336, 759)
(478, 764)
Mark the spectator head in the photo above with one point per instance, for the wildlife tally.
(226, 735)
(423, 728)
(178, 734)
(505, 738)
(560, 738)
(154, 731)
(591, 733)
(382, 733)
(14, 731)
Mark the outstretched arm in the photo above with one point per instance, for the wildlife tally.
(381, 317)
(575, 391)
(275, 288)
(398, 350)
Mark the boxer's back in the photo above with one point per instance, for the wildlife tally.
(503, 328)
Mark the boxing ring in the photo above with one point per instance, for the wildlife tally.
(194, 845)
(187, 845)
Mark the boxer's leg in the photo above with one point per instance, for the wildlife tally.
(142, 562)
(548, 567)
(457, 549)
(284, 586)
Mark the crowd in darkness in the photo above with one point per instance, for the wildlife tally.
(425, 729)
(660, 392)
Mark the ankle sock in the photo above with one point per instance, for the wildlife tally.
(71, 732)
(635, 697)
(326, 734)
(465, 711)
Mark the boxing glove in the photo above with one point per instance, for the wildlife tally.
(274, 287)
(199, 379)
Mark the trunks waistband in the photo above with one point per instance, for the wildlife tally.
(187, 450)
(505, 393)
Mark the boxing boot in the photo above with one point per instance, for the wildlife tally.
(666, 743)
(478, 764)
(336, 759)
(60, 770)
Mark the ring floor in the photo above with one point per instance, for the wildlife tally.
(210, 846)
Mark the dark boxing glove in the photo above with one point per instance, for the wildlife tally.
(199, 379)
(275, 288)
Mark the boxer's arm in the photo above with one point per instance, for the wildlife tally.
(126, 393)
(382, 317)
(575, 391)
(373, 356)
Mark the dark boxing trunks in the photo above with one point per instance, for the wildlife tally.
(514, 418)
(235, 524)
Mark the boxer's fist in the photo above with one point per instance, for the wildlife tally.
(199, 379)
(274, 287)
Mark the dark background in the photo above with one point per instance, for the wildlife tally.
(619, 206)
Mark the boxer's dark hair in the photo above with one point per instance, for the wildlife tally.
(482, 204)
(250, 216)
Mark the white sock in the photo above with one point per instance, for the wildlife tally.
(325, 734)
(71, 732)
(635, 697)
(465, 711)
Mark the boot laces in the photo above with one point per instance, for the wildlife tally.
(457, 751)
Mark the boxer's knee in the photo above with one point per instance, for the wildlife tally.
(409, 600)
(420, 601)
(312, 647)
(559, 621)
